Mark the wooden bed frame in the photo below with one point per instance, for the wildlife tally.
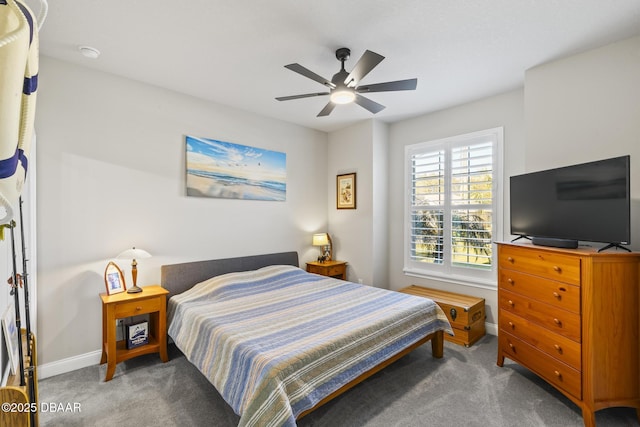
(177, 278)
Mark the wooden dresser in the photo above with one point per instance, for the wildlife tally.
(572, 316)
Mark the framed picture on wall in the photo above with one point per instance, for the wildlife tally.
(226, 170)
(346, 191)
(114, 279)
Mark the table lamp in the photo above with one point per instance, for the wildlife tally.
(134, 254)
(324, 240)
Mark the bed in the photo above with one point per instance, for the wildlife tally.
(278, 342)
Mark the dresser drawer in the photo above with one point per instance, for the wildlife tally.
(554, 371)
(558, 294)
(551, 265)
(315, 269)
(555, 345)
(134, 308)
(336, 271)
(562, 322)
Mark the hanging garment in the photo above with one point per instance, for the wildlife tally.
(18, 85)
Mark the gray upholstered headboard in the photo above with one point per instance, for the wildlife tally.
(177, 278)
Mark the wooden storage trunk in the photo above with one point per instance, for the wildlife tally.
(465, 313)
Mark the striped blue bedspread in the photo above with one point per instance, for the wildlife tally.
(276, 341)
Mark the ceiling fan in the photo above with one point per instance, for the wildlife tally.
(344, 87)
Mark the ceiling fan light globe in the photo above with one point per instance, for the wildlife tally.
(342, 97)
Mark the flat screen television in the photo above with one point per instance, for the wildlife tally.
(585, 202)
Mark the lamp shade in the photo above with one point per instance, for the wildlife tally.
(320, 239)
(134, 253)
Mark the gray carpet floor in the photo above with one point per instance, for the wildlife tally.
(464, 388)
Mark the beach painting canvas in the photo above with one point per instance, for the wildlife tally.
(232, 171)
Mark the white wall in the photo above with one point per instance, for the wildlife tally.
(360, 235)
(584, 108)
(350, 150)
(503, 110)
(112, 175)
(380, 226)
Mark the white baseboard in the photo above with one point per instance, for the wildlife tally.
(491, 328)
(69, 364)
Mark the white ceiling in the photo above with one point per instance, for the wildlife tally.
(234, 52)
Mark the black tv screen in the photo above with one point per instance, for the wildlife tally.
(585, 202)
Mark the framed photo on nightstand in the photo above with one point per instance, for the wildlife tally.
(114, 279)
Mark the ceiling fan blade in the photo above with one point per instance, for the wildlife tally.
(366, 63)
(306, 95)
(409, 84)
(368, 104)
(327, 109)
(310, 74)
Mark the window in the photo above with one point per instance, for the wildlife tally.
(453, 207)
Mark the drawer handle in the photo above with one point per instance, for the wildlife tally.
(138, 308)
(510, 280)
(512, 325)
(510, 303)
(557, 269)
(512, 347)
(558, 348)
(510, 259)
(557, 295)
(557, 374)
(557, 322)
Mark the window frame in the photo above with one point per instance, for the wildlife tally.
(446, 271)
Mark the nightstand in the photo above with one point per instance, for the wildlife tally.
(337, 269)
(153, 301)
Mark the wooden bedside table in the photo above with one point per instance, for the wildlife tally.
(337, 269)
(153, 301)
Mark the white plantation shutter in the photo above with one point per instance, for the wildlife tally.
(428, 196)
(472, 204)
(452, 204)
